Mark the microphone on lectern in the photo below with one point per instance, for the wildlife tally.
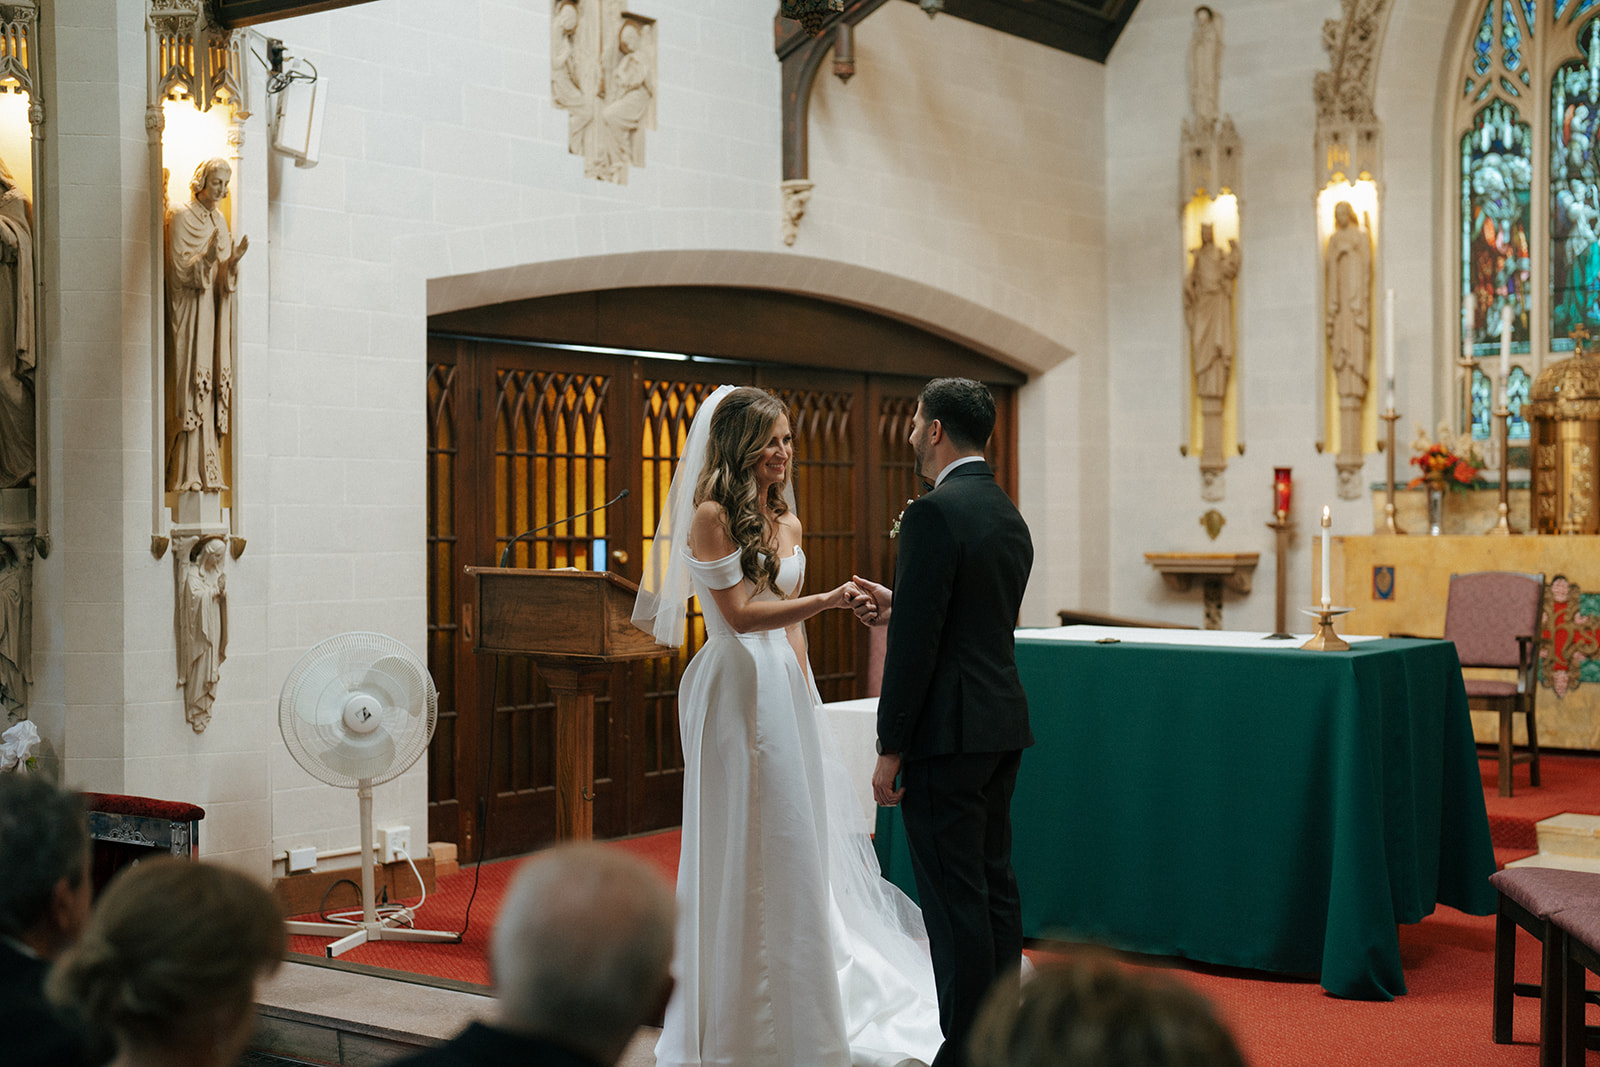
(506, 555)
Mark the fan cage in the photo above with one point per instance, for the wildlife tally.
(346, 659)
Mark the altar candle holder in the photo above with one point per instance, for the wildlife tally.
(1325, 640)
(1389, 525)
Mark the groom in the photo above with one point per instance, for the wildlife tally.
(952, 717)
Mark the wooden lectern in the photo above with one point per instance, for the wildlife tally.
(574, 625)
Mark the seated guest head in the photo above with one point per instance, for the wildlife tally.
(1091, 1011)
(170, 959)
(582, 949)
(44, 864)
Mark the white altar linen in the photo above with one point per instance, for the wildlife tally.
(1198, 638)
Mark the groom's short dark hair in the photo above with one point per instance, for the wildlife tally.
(964, 408)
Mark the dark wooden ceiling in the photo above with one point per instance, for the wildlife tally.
(1085, 28)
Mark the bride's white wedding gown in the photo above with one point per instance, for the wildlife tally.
(792, 951)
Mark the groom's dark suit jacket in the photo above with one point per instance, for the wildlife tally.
(950, 676)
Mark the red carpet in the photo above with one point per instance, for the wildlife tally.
(1280, 1022)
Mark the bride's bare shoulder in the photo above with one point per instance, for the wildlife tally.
(709, 537)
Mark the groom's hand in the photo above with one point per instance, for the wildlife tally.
(872, 603)
(883, 776)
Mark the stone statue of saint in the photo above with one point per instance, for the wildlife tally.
(1205, 67)
(1348, 264)
(202, 625)
(202, 274)
(18, 356)
(1208, 309)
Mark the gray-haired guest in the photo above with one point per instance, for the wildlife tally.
(580, 954)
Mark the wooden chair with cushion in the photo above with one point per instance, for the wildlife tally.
(1532, 898)
(1493, 618)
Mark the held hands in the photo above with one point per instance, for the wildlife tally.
(844, 596)
(872, 602)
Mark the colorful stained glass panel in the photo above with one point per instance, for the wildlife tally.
(1575, 192)
(1496, 175)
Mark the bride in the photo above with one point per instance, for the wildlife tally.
(791, 950)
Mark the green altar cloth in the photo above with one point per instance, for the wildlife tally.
(1257, 807)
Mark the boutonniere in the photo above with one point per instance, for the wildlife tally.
(894, 531)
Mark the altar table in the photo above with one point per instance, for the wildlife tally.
(1245, 803)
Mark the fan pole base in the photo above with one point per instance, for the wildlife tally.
(350, 936)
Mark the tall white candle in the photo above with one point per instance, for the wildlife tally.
(1388, 346)
(1505, 350)
(1466, 325)
(1327, 558)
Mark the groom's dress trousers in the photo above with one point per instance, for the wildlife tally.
(953, 707)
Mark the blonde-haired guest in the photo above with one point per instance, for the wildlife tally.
(170, 960)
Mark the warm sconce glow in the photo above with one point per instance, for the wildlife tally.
(191, 137)
(1362, 195)
(1223, 215)
(16, 138)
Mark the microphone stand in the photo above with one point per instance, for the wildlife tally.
(505, 556)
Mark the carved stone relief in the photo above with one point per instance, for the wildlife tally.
(796, 194)
(1349, 140)
(603, 74)
(1347, 294)
(201, 622)
(16, 620)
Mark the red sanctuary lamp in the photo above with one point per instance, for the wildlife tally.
(1282, 491)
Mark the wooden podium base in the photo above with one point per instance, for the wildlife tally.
(574, 686)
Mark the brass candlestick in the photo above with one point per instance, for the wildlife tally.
(1502, 416)
(1389, 525)
(1325, 640)
(1280, 526)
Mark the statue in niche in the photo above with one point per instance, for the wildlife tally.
(603, 74)
(202, 275)
(202, 625)
(16, 622)
(18, 357)
(1208, 310)
(1205, 68)
(1348, 325)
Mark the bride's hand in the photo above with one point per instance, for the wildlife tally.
(842, 597)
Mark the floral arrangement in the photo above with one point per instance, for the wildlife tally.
(1449, 461)
(894, 531)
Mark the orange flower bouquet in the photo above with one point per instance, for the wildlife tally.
(1447, 462)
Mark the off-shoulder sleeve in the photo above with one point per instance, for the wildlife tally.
(718, 573)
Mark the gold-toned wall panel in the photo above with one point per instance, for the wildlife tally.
(1416, 604)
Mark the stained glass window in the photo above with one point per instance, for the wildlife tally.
(1496, 172)
(1480, 414)
(1517, 395)
(1575, 191)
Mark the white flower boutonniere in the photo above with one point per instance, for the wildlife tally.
(894, 531)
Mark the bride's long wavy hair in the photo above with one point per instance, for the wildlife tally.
(740, 428)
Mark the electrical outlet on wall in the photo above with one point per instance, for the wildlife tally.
(394, 843)
(302, 859)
